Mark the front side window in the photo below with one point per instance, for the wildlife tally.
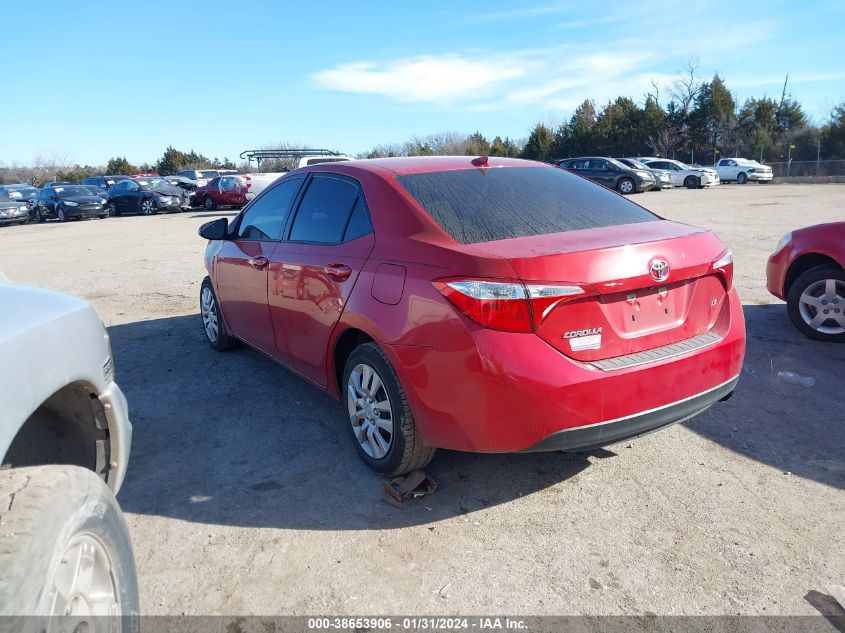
(265, 218)
(481, 205)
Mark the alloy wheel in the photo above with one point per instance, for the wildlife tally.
(370, 411)
(112, 210)
(209, 314)
(822, 306)
(626, 186)
(84, 583)
(147, 207)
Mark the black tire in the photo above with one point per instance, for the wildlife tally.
(36, 216)
(208, 203)
(223, 341)
(793, 302)
(406, 451)
(42, 509)
(691, 182)
(741, 178)
(147, 206)
(112, 209)
(60, 213)
(626, 186)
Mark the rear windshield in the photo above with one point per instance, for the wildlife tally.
(485, 205)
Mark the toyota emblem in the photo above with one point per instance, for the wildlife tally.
(659, 270)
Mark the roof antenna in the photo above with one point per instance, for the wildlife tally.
(481, 161)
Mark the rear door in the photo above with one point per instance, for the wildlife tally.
(241, 265)
(313, 272)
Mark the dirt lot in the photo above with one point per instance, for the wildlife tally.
(244, 494)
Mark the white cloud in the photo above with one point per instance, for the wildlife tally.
(430, 79)
(558, 77)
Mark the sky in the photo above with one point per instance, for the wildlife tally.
(85, 81)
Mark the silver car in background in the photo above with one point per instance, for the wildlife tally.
(662, 178)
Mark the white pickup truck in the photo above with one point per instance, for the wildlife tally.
(741, 170)
(64, 446)
(258, 182)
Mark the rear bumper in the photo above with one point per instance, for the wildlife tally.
(488, 391)
(592, 436)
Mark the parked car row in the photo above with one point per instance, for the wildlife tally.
(214, 188)
(635, 175)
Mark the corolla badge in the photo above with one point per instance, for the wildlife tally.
(659, 270)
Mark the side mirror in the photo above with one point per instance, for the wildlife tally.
(214, 230)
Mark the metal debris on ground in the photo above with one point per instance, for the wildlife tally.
(411, 486)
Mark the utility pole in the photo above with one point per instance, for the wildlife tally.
(818, 155)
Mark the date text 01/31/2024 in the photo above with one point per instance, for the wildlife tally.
(430, 623)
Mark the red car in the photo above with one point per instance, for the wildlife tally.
(491, 305)
(223, 191)
(806, 271)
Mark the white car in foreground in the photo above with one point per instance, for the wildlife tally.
(64, 446)
(741, 170)
(684, 175)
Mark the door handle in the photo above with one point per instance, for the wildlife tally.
(338, 272)
(258, 262)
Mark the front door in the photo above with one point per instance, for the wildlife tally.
(242, 263)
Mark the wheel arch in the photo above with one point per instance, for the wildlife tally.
(802, 264)
(345, 342)
(70, 427)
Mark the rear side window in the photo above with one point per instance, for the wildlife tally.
(324, 211)
(485, 205)
(265, 218)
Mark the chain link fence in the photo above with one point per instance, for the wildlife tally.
(808, 168)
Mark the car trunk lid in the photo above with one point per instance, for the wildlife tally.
(623, 309)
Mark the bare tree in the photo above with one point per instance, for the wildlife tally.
(686, 87)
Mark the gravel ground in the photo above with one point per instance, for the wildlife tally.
(244, 494)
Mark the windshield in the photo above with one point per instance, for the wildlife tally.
(96, 191)
(482, 205)
(209, 173)
(153, 183)
(71, 191)
(636, 164)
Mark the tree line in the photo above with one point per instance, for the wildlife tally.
(700, 121)
(50, 168)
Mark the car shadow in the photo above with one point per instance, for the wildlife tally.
(796, 429)
(234, 439)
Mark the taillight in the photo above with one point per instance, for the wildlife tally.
(724, 265)
(508, 306)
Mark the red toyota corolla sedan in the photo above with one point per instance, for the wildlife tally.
(806, 271)
(490, 305)
(223, 191)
